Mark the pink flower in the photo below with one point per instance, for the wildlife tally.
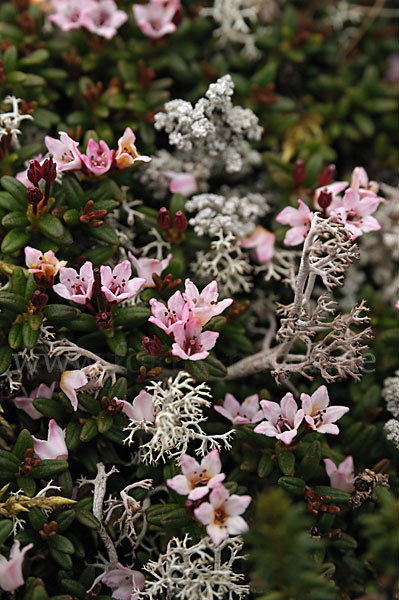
(146, 267)
(181, 183)
(89, 378)
(317, 415)
(142, 408)
(11, 570)
(98, 157)
(355, 212)
(203, 306)
(261, 242)
(156, 18)
(22, 176)
(392, 74)
(190, 343)
(103, 18)
(78, 288)
(341, 477)
(127, 154)
(54, 447)
(197, 479)
(166, 317)
(47, 264)
(68, 14)
(65, 152)
(221, 514)
(116, 285)
(336, 200)
(300, 219)
(247, 412)
(26, 403)
(124, 582)
(283, 419)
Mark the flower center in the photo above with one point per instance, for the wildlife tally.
(283, 424)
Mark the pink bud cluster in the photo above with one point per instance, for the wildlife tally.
(185, 315)
(208, 499)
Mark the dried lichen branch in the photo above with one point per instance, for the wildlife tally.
(197, 572)
(326, 340)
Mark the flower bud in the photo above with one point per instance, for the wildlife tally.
(299, 172)
(163, 218)
(152, 346)
(103, 319)
(39, 299)
(49, 170)
(179, 222)
(34, 172)
(34, 197)
(324, 199)
(327, 176)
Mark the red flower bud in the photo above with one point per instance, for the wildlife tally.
(103, 319)
(163, 218)
(49, 170)
(327, 176)
(34, 196)
(39, 299)
(34, 172)
(179, 222)
(299, 172)
(324, 199)
(152, 345)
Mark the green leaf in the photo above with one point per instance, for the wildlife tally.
(72, 437)
(9, 203)
(65, 520)
(18, 282)
(61, 312)
(131, 315)
(74, 192)
(197, 368)
(34, 58)
(105, 233)
(87, 519)
(5, 358)
(89, 430)
(16, 189)
(311, 460)
(118, 343)
(27, 485)
(286, 462)
(89, 403)
(51, 227)
(76, 589)
(334, 494)
(15, 219)
(6, 527)
(49, 408)
(29, 337)
(49, 468)
(100, 254)
(14, 240)
(292, 485)
(9, 58)
(215, 367)
(265, 466)
(13, 302)
(61, 543)
(37, 518)
(23, 442)
(63, 559)
(104, 422)
(119, 389)
(15, 336)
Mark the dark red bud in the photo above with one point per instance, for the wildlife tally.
(152, 346)
(34, 196)
(97, 281)
(299, 172)
(39, 299)
(103, 319)
(324, 199)
(49, 170)
(179, 222)
(163, 218)
(34, 172)
(327, 176)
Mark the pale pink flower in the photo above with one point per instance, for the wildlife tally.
(46, 264)
(300, 219)
(203, 306)
(392, 74)
(198, 478)
(341, 477)
(98, 157)
(146, 267)
(102, 18)
(190, 342)
(355, 212)
(336, 200)
(54, 447)
(115, 283)
(318, 414)
(155, 19)
(26, 403)
(11, 570)
(397, 304)
(22, 176)
(64, 151)
(221, 514)
(283, 419)
(127, 154)
(166, 317)
(78, 288)
(181, 183)
(68, 13)
(124, 582)
(87, 379)
(247, 412)
(261, 241)
(142, 408)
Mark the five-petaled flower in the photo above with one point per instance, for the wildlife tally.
(355, 212)
(181, 183)
(203, 306)
(78, 288)
(167, 317)
(65, 152)
(261, 242)
(247, 412)
(191, 343)
(221, 515)
(43, 266)
(300, 219)
(318, 414)
(157, 18)
(102, 17)
(127, 154)
(283, 419)
(142, 408)
(116, 284)
(124, 582)
(341, 477)
(98, 157)
(198, 478)
(146, 267)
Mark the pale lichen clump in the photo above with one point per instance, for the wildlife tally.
(391, 397)
(197, 572)
(178, 415)
(10, 121)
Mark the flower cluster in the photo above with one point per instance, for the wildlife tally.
(158, 18)
(101, 17)
(185, 315)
